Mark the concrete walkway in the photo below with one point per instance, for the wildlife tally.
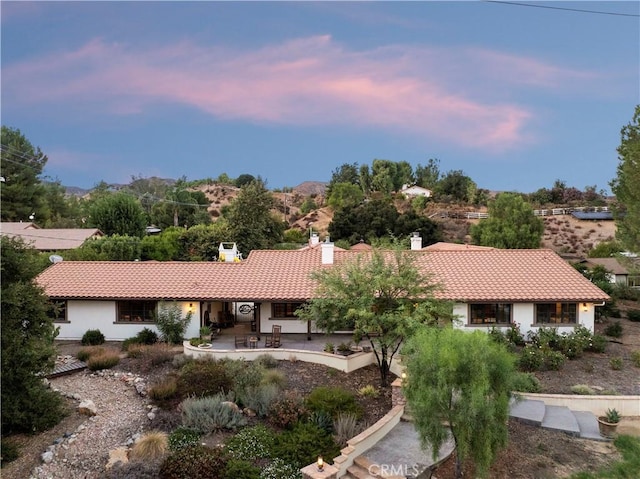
(399, 454)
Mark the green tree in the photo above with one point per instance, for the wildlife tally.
(181, 207)
(626, 186)
(109, 248)
(201, 242)
(162, 247)
(456, 186)
(308, 205)
(384, 174)
(22, 193)
(459, 381)
(61, 211)
(118, 213)
(373, 219)
(27, 344)
(251, 222)
(605, 249)
(410, 222)
(345, 195)
(511, 224)
(428, 176)
(383, 297)
(365, 180)
(244, 179)
(345, 173)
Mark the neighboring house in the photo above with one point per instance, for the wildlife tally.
(488, 287)
(413, 191)
(49, 239)
(618, 273)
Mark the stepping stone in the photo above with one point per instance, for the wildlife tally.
(528, 411)
(560, 418)
(588, 424)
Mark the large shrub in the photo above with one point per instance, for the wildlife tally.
(525, 383)
(193, 462)
(633, 315)
(204, 377)
(93, 337)
(211, 413)
(171, 323)
(333, 401)
(286, 411)
(241, 469)
(304, 443)
(260, 398)
(614, 329)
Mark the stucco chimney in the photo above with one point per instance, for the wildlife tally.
(327, 251)
(416, 241)
(314, 239)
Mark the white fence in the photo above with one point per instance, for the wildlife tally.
(474, 215)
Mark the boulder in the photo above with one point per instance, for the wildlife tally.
(120, 454)
(88, 408)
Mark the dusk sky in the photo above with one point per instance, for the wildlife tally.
(514, 95)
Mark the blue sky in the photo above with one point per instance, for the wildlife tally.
(515, 96)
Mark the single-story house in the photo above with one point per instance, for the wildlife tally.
(488, 288)
(618, 273)
(49, 239)
(411, 191)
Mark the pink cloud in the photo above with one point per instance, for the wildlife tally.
(307, 81)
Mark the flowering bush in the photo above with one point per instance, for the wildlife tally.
(251, 443)
(279, 469)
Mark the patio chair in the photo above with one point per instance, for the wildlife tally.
(241, 341)
(273, 340)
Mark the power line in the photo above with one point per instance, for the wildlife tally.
(579, 10)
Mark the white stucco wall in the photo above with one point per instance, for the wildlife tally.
(85, 315)
(288, 325)
(524, 315)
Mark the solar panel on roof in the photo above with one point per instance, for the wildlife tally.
(599, 215)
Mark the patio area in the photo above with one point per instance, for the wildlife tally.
(226, 340)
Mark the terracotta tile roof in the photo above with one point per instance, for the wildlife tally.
(441, 246)
(610, 264)
(51, 239)
(8, 227)
(474, 275)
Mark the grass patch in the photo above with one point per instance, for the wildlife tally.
(104, 360)
(85, 353)
(627, 468)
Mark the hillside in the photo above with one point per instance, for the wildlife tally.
(570, 237)
(564, 234)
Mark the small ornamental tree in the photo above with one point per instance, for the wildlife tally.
(460, 382)
(382, 296)
(171, 323)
